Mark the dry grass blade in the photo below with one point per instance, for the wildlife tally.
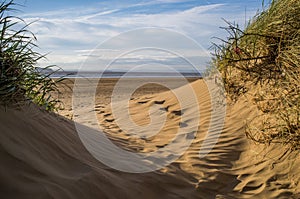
(20, 81)
(266, 56)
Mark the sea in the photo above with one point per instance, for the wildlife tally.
(118, 74)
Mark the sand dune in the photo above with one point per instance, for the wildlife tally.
(43, 157)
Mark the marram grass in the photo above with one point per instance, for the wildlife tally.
(265, 58)
(20, 80)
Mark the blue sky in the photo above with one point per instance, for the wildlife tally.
(70, 29)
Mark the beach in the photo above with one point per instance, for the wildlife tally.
(45, 156)
(152, 100)
(105, 88)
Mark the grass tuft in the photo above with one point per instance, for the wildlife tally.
(20, 79)
(264, 58)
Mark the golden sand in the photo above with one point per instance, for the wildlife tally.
(43, 157)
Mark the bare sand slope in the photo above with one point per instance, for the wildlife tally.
(43, 157)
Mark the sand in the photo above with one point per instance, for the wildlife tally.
(42, 155)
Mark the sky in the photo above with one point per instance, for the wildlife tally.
(90, 34)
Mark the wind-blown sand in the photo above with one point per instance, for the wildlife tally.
(43, 157)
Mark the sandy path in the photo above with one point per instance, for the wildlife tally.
(43, 157)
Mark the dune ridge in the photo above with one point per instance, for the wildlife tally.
(42, 156)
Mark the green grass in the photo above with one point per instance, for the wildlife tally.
(263, 59)
(20, 81)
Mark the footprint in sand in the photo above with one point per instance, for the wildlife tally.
(161, 146)
(99, 106)
(191, 135)
(109, 120)
(107, 114)
(159, 101)
(143, 102)
(183, 124)
(165, 109)
(178, 113)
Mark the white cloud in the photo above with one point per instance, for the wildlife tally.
(70, 34)
(107, 12)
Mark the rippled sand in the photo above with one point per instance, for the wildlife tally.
(43, 157)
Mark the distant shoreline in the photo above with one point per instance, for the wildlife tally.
(97, 74)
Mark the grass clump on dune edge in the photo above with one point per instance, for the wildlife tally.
(264, 60)
(20, 80)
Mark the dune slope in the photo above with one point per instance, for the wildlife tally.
(43, 157)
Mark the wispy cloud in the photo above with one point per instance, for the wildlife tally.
(69, 34)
